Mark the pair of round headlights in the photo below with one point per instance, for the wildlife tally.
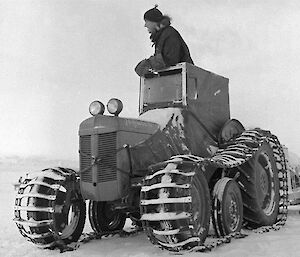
(114, 106)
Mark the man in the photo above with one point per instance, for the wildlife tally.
(170, 47)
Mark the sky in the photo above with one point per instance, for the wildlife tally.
(57, 56)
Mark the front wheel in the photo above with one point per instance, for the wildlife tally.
(49, 209)
(227, 207)
(104, 218)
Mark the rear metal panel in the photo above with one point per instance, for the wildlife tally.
(211, 104)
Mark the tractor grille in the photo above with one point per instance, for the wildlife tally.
(106, 152)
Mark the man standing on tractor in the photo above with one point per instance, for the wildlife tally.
(170, 48)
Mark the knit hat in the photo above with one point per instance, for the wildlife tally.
(153, 15)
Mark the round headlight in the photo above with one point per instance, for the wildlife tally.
(96, 107)
(114, 106)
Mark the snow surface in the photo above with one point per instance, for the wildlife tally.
(283, 243)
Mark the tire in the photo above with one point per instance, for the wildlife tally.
(49, 209)
(260, 188)
(227, 207)
(104, 219)
(181, 220)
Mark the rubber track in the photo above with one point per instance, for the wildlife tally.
(236, 153)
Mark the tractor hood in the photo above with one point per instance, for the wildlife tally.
(106, 124)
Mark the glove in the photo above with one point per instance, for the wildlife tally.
(157, 62)
(143, 67)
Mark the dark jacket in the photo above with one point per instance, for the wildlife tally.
(170, 49)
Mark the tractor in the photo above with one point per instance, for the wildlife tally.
(181, 166)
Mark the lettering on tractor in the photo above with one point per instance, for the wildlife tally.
(180, 164)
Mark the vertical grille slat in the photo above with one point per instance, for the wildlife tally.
(85, 158)
(107, 152)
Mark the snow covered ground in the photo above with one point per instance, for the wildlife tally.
(283, 243)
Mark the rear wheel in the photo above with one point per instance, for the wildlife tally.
(49, 209)
(260, 190)
(104, 218)
(227, 207)
(175, 206)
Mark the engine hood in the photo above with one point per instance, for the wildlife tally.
(106, 124)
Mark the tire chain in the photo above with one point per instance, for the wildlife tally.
(234, 153)
(244, 146)
(57, 176)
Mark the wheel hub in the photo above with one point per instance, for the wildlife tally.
(233, 214)
(264, 183)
